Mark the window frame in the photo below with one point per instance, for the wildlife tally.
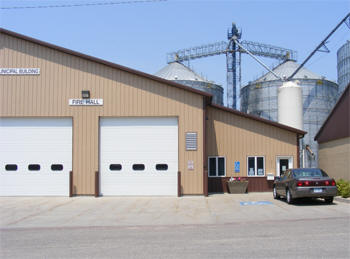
(138, 170)
(163, 164)
(33, 170)
(217, 166)
(256, 166)
(10, 169)
(56, 170)
(114, 170)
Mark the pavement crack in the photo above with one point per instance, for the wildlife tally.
(38, 213)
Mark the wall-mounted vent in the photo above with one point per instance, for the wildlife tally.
(191, 140)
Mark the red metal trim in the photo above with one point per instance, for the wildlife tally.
(322, 137)
(104, 62)
(256, 118)
(298, 152)
(205, 182)
(178, 184)
(205, 165)
(70, 183)
(256, 184)
(97, 184)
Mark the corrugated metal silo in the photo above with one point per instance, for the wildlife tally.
(179, 73)
(319, 96)
(343, 65)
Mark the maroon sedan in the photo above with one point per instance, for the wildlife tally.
(303, 183)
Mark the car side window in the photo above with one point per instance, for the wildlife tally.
(285, 176)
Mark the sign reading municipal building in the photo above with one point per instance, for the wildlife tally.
(19, 71)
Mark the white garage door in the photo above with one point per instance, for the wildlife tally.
(35, 156)
(139, 156)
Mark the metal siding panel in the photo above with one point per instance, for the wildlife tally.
(238, 137)
(64, 76)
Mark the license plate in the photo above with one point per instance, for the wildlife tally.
(318, 190)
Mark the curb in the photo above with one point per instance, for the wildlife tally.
(340, 199)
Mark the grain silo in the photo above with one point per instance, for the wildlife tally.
(343, 66)
(182, 74)
(319, 96)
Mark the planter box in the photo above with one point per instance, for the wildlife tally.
(237, 186)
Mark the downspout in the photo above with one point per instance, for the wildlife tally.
(298, 151)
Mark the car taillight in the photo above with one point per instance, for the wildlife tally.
(326, 182)
(300, 183)
(333, 182)
(306, 183)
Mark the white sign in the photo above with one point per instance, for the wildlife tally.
(270, 177)
(19, 71)
(86, 102)
(190, 165)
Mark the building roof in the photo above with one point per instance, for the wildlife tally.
(336, 125)
(256, 118)
(178, 71)
(104, 62)
(286, 69)
(152, 77)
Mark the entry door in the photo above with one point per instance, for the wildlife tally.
(35, 156)
(282, 164)
(138, 156)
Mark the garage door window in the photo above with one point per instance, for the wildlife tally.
(56, 167)
(34, 167)
(256, 166)
(138, 167)
(161, 167)
(217, 166)
(11, 167)
(115, 167)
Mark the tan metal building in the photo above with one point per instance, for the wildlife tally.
(334, 139)
(62, 111)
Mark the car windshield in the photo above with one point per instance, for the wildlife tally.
(309, 173)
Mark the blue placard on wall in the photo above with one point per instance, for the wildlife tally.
(237, 167)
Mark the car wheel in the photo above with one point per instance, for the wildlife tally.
(328, 200)
(289, 197)
(275, 195)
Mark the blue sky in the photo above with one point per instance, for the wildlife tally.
(139, 35)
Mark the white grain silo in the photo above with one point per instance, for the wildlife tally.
(318, 98)
(290, 105)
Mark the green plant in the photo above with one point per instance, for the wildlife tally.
(343, 188)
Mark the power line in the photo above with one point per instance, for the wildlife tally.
(80, 5)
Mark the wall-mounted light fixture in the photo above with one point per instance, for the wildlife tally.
(85, 94)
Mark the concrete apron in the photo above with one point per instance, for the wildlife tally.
(42, 212)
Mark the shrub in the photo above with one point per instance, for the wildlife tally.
(343, 188)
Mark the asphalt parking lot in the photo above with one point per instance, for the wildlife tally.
(217, 222)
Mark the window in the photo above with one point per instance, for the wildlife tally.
(256, 166)
(161, 167)
(34, 167)
(217, 166)
(56, 167)
(115, 167)
(11, 167)
(138, 167)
